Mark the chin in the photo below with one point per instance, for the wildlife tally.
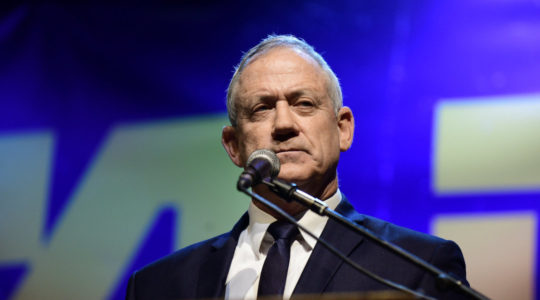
(292, 176)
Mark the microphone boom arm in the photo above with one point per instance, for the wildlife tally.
(291, 192)
(332, 249)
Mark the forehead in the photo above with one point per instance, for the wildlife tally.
(281, 64)
(282, 58)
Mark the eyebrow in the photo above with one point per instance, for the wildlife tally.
(291, 95)
(295, 94)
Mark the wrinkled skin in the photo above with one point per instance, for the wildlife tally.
(283, 105)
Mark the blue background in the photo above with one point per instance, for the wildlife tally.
(81, 69)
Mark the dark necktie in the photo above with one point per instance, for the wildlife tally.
(274, 271)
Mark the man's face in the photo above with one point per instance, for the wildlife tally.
(283, 105)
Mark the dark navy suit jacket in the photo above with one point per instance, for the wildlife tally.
(200, 270)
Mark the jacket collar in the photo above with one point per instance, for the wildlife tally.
(316, 275)
(214, 269)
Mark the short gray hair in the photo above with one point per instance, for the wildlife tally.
(275, 41)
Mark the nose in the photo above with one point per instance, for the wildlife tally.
(285, 126)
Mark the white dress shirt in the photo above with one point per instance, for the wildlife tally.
(254, 243)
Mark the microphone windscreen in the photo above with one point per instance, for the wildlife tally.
(269, 156)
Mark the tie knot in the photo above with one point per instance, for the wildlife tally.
(283, 230)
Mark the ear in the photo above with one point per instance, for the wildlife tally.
(345, 122)
(229, 140)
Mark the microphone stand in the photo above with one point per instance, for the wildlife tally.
(332, 249)
(291, 192)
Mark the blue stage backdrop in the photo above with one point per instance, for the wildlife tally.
(111, 115)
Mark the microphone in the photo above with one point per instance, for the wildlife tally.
(443, 280)
(261, 164)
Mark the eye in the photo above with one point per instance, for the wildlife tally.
(304, 103)
(260, 107)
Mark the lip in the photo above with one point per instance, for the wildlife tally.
(289, 150)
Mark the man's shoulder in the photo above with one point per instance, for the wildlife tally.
(398, 234)
(184, 258)
(426, 246)
(391, 232)
(188, 260)
(176, 275)
(443, 253)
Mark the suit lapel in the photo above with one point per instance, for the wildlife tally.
(323, 264)
(214, 269)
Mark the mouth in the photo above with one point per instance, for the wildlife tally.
(289, 150)
(290, 155)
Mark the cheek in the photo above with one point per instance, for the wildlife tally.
(329, 143)
(254, 138)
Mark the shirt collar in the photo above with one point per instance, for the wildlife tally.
(260, 220)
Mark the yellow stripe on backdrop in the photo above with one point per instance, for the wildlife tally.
(139, 169)
(499, 250)
(487, 145)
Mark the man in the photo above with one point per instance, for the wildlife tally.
(284, 97)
